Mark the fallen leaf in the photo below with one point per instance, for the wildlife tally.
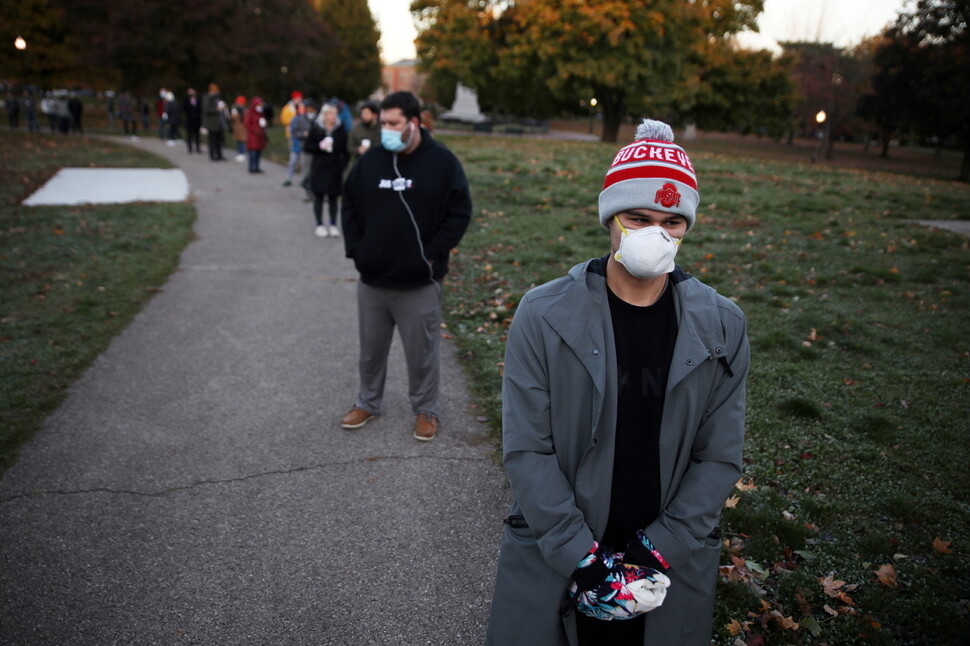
(812, 625)
(831, 585)
(732, 502)
(734, 628)
(746, 486)
(886, 575)
(785, 623)
(829, 610)
(941, 546)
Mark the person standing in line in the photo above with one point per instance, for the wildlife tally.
(162, 115)
(30, 110)
(406, 205)
(306, 160)
(110, 110)
(126, 111)
(143, 109)
(327, 142)
(287, 114)
(256, 137)
(365, 133)
(192, 109)
(173, 118)
(623, 428)
(296, 134)
(237, 118)
(48, 106)
(63, 116)
(12, 106)
(76, 108)
(213, 120)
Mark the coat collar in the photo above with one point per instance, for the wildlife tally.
(700, 337)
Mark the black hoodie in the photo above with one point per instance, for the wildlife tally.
(380, 233)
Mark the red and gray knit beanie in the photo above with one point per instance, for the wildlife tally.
(651, 173)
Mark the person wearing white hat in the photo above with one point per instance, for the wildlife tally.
(623, 426)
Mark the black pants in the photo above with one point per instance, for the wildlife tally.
(318, 207)
(192, 134)
(215, 145)
(595, 632)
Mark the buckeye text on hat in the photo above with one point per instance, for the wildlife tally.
(651, 173)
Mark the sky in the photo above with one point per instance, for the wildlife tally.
(837, 21)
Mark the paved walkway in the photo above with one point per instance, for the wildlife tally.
(195, 488)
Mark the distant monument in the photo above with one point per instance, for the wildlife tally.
(465, 107)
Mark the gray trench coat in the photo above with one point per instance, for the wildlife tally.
(559, 394)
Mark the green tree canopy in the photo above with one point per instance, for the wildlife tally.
(49, 58)
(922, 78)
(252, 46)
(746, 91)
(352, 70)
(538, 56)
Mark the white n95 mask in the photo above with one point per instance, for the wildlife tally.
(648, 252)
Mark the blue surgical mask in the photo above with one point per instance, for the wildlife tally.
(392, 140)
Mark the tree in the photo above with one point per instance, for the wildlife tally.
(828, 79)
(458, 43)
(922, 78)
(743, 90)
(353, 70)
(240, 43)
(49, 58)
(631, 55)
(894, 81)
(938, 37)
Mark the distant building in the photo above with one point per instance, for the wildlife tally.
(402, 75)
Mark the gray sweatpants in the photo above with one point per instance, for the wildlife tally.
(417, 315)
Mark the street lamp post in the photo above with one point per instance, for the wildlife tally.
(820, 120)
(592, 112)
(21, 45)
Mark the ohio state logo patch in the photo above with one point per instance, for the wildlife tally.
(668, 196)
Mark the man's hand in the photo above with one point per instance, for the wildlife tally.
(606, 588)
(627, 591)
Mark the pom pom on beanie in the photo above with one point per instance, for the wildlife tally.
(651, 173)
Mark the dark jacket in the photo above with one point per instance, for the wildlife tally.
(193, 112)
(383, 206)
(361, 131)
(559, 397)
(327, 169)
(211, 117)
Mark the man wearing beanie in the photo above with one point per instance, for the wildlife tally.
(623, 426)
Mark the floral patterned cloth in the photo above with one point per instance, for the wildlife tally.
(626, 591)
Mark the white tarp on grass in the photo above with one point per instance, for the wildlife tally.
(112, 186)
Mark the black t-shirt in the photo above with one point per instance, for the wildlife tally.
(645, 339)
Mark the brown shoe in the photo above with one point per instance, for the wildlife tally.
(356, 418)
(425, 427)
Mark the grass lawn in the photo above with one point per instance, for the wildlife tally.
(851, 525)
(72, 276)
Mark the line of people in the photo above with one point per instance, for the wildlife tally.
(209, 116)
(64, 114)
(323, 144)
